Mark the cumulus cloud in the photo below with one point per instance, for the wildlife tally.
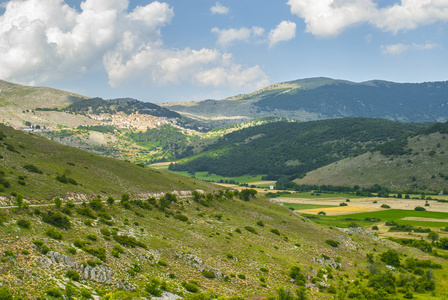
(219, 9)
(284, 31)
(44, 40)
(400, 48)
(227, 36)
(328, 18)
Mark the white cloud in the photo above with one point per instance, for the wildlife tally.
(328, 18)
(227, 36)
(44, 40)
(219, 9)
(401, 48)
(284, 31)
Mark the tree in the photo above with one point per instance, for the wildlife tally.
(19, 201)
(433, 236)
(391, 257)
(110, 201)
(57, 202)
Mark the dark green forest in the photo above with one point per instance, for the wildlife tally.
(285, 148)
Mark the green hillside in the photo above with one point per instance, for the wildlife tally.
(205, 247)
(293, 148)
(418, 162)
(31, 165)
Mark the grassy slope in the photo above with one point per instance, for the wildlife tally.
(205, 235)
(95, 174)
(28, 97)
(394, 171)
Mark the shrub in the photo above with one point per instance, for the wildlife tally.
(93, 263)
(5, 293)
(85, 211)
(128, 241)
(25, 224)
(54, 292)
(162, 263)
(419, 208)
(181, 217)
(385, 206)
(322, 213)
(9, 253)
(208, 274)
(117, 250)
(56, 219)
(250, 229)
(297, 276)
(53, 234)
(191, 287)
(57, 202)
(92, 237)
(153, 287)
(275, 231)
(105, 231)
(238, 230)
(73, 275)
(332, 243)
(79, 243)
(71, 250)
(110, 201)
(96, 204)
(260, 223)
(98, 252)
(241, 276)
(32, 168)
(374, 227)
(343, 204)
(390, 257)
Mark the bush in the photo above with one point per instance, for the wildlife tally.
(92, 237)
(98, 252)
(54, 292)
(419, 208)
(241, 276)
(191, 287)
(25, 224)
(275, 231)
(332, 243)
(153, 287)
(374, 227)
(56, 219)
(385, 206)
(85, 211)
(390, 257)
(5, 293)
(250, 229)
(322, 213)
(32, 168)
(128, 241)
(105, 231)
(73, 275)
(297, 276)
(96, 204)
(208, 274)
(53, 234)
(181, 217)
(260, 223)
(57, 202)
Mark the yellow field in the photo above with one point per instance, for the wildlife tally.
(341, 210)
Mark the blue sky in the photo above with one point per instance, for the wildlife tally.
(182, 50)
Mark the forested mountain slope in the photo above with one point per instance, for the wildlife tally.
(293, 148)
(417, 162)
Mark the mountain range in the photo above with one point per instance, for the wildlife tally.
(325, 98)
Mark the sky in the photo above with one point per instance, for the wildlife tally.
(179, 50)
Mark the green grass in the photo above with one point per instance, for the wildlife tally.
(95, 175)
(312, 195)
(302, 206)
(384, 215)
(205, 176)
